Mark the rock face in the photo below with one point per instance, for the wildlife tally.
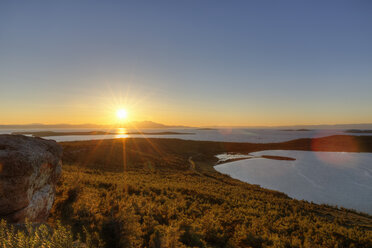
(29, 171)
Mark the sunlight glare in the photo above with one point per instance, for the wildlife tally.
(121, 114)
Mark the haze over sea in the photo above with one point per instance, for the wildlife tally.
(249, 135)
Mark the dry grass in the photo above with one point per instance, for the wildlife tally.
(143, 193)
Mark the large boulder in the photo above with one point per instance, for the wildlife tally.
(29, 170)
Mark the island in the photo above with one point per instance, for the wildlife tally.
(297, 130)
(358, 131)
(53, 133)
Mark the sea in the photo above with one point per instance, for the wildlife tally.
(223, 134)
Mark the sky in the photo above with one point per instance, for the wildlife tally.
(200, 63)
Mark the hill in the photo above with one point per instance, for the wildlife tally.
(165, 193)
(134, 124)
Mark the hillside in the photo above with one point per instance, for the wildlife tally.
(165, 193)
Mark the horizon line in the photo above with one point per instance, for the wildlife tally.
(185, 126)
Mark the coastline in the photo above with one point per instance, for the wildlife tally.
(335, 178)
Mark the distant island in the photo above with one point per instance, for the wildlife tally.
(52, 133)
(297, 130)
(278, 157)
(155, 125)
(133, 124)
(358, 131)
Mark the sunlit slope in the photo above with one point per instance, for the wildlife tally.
(165, 193)
(174, 153)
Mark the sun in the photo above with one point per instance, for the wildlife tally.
(121, 114)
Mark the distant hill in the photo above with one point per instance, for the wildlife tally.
(358, 131)
(360, 126)
(135, 124)
(46, 126)
(151, 124)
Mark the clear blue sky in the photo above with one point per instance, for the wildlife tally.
(186, 62)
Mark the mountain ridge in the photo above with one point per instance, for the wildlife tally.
(134, 124)
(151, 124)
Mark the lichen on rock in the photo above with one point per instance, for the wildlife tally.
(29, 171)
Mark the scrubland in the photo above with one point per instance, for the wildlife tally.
(165, 193)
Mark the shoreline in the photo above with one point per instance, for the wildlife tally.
(315, 177)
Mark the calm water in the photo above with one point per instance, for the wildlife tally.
(227, 135)
(335, 178)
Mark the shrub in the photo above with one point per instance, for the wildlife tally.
(30, 236)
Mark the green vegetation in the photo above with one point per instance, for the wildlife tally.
(147, 193)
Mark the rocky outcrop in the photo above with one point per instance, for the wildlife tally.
(29, 171)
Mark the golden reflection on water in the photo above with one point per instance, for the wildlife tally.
(121, 130)
(121, 133)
